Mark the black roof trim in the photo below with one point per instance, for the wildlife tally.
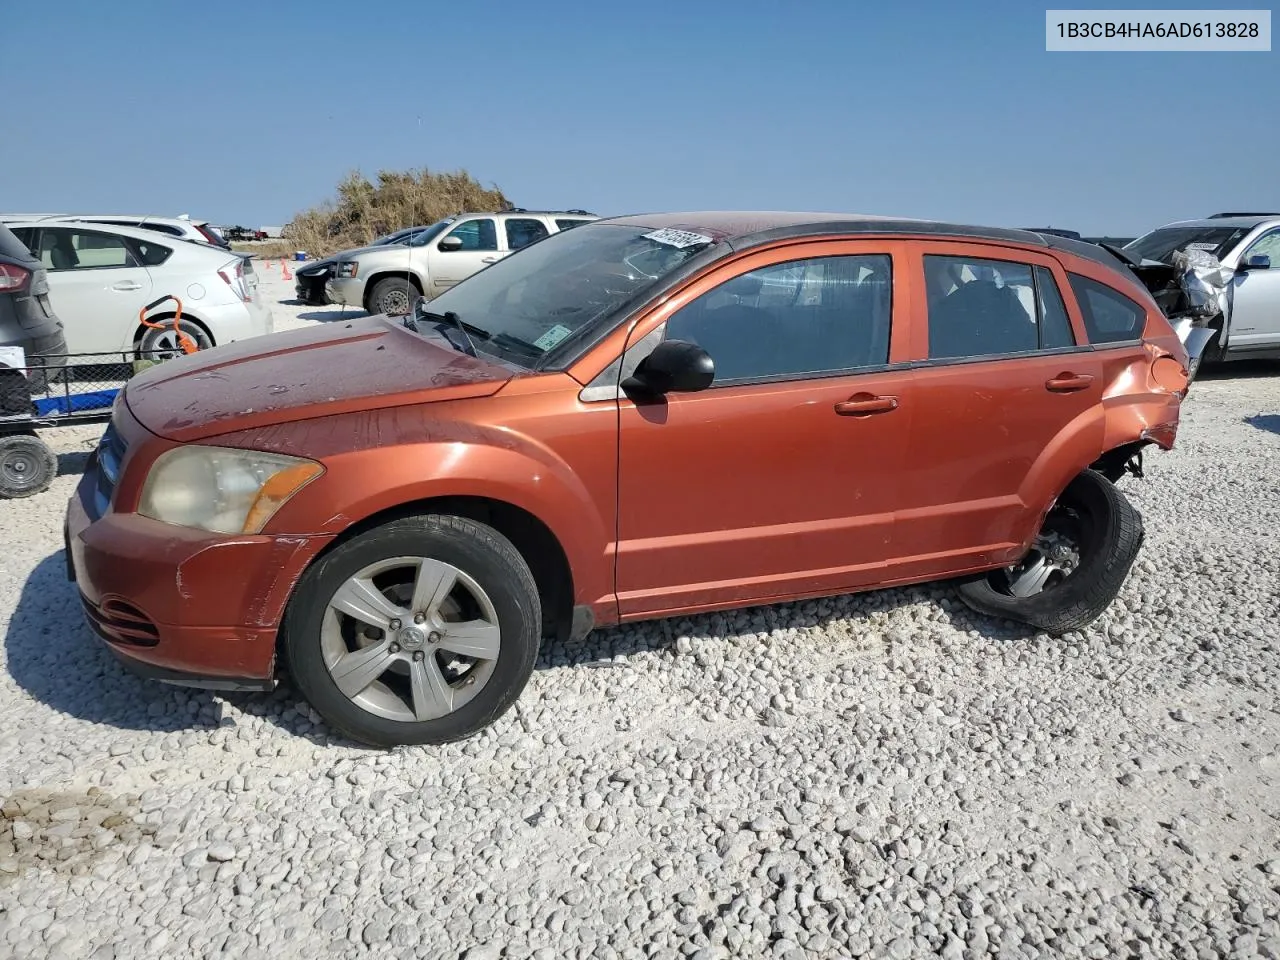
(1253, 213)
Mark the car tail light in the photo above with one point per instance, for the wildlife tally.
(13, 279)
(233, 273)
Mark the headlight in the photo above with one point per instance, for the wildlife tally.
(220, 489)
(345, 270)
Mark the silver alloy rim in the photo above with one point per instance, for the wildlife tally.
(167, 343)
(410, 639)
(1052, 559)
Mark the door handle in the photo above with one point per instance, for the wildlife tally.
(1068, 382)
(865, 405)
(488, 259)
(126, 285)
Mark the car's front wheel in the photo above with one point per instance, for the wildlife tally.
(423, 630)
(1076, 566)
(393, 296)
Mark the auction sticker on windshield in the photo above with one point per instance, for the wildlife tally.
(677, 238)
(552, 337)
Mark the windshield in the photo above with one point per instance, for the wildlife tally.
(523, 306)
(413, 236)
(1163, 243)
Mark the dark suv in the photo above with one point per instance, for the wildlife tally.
(26, 318)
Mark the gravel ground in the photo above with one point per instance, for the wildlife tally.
(883, 775)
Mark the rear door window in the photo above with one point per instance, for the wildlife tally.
(521, 232)
(992, 308)
(1109, 316)
(66, 248)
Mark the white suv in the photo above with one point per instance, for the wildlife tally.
(101, 276)
(387, 278)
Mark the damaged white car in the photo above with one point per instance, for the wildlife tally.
(1218, 280)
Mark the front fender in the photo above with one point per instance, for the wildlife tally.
(395, 457)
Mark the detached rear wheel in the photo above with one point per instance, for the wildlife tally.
(424, 630)
(1076, 566)
(27, 466)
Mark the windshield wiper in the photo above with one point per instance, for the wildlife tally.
(450, 317)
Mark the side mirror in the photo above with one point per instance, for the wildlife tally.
(1259, 261)
(675, 366)
(451, 243)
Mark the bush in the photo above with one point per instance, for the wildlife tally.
(365, 211)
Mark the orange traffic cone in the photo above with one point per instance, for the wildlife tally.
(284, 269)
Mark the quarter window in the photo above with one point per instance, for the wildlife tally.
(521, 232)
(1109, 316)
(801, 318)
(565, 224)
(476, 234)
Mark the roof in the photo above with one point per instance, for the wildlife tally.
(740, 230)
(763, 225)
(1248, 222)
(136, 233)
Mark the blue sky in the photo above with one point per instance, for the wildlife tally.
(250, 112)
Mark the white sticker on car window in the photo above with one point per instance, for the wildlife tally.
(552, 337)
(1202, 245)
(677, 238)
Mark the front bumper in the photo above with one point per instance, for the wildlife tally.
(348, 291)
(180, 605)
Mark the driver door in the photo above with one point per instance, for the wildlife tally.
(780, 479)
(478, 249)
(1255, 303)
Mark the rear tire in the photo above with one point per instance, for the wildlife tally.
(423, 630)
(164, 343)
(27, 466)
(1107, 533)
(393, 296)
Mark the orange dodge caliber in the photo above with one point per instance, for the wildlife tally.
(640, 417)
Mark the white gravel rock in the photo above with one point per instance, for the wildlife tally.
(879, 775)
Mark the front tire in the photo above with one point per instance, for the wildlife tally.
(1076, 567)
(423, 630)
(393, 296)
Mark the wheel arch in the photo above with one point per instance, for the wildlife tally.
(374, 279)
(532, 537)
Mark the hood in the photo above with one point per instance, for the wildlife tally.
(366, 364)
(361, 251)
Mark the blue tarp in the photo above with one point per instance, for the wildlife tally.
(94, 400)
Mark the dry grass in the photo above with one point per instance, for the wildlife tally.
(364, 211)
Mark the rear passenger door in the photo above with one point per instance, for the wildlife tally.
(97, 286)
(1005, 388)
